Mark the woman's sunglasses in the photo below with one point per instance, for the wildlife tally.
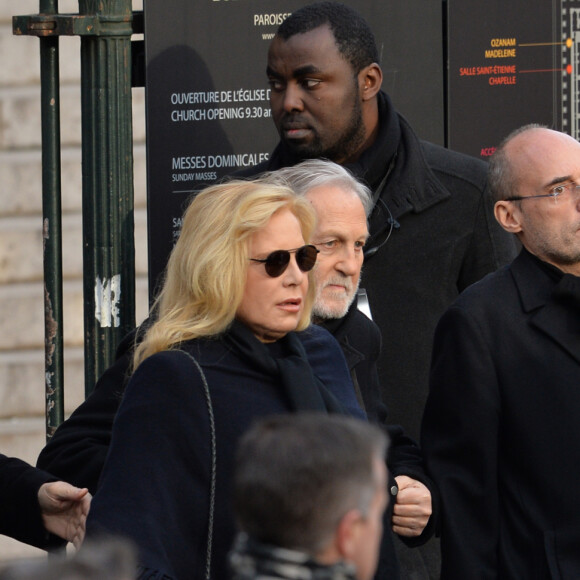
(277, 262)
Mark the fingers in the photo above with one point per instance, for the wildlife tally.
(57, 496)
(85, 503)
(411, 512)
(64, 510)
(77, 535)
(411, 530)
(412, 508)
(66, 492)
(413, 498)
(410, 520)
(404, 481)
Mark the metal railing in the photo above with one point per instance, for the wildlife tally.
(105, 28)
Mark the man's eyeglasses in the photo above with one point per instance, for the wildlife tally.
(559, 192)
(277, 262)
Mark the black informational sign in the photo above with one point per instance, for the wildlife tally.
(511, 62)
(207, 94)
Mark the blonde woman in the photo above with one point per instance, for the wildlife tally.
(223, 351)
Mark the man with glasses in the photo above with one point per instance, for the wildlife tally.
(500, 432)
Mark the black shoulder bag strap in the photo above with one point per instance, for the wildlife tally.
(213, 465)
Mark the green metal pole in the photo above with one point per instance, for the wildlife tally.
(52, 226)
(108, 242)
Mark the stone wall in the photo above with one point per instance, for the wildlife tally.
(21, 272)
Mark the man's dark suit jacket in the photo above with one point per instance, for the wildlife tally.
(501, 430)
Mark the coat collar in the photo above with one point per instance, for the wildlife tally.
(537, 289)
(413, 186)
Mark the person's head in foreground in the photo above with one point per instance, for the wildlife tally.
(111, 558)
(310, 492)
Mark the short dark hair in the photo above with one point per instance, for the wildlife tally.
(501, 179)
(353, 36)
(297, 475)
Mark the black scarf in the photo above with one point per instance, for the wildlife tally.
(374, 162)
(567, 293)
(253, 560)
(566, 300)
(286, 359)
(563, 302)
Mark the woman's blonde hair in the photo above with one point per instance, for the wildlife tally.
(206, 272)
